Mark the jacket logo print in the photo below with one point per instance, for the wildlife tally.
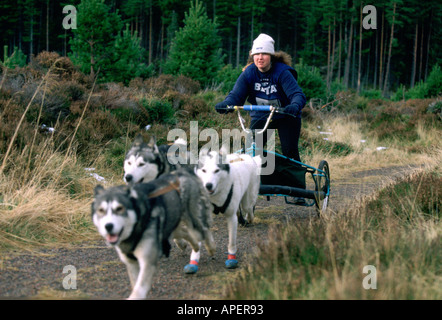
(265, 87)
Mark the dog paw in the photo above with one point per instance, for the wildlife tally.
(231, 262)
(191, 268)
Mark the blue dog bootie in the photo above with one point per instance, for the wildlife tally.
(191, 268)
(231, 262)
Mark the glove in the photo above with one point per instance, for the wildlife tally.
(293, 109)
(222, 108)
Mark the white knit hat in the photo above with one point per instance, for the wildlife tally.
(263, 44)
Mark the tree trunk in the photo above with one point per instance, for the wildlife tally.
(387, 72)
(31, 43)
(413, 66)
(353, 62)
(328, 56)
(214, 10)
(238, 35)
(162, 40)
(333, 50)
(150, 34)
(360, 54)
(428, 46)
(376, 56)
(421, 53)
(381, 54)
(91, 44)
(252, 31)
(340, 51)
(348, 59)
(47, 25)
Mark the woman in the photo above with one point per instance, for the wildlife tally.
(270, 80)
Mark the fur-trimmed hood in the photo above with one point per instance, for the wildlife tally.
(279, 56)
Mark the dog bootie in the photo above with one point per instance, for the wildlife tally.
(231, 262)
(192, 267)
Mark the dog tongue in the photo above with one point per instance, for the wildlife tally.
(111, 238)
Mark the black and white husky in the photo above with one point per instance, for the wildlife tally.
(139, 220)
(146, 162)
(232, 182)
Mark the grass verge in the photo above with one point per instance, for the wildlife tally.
(398, 231)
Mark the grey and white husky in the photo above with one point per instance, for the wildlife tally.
(139, 221)
(147, 161)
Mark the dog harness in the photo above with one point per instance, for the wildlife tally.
(223, 209)
(144, 220)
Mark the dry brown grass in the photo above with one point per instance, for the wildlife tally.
(397, 229)
(393, 229)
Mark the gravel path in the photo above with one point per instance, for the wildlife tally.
(101, 275)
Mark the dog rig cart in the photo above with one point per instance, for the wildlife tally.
(289, 177)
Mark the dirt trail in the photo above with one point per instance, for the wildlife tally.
(101, 275)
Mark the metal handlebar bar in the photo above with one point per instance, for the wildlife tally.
(254, 108)
(270, 108)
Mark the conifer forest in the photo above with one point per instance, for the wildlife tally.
(365, 45)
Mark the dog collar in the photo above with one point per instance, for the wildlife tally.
(223, 209)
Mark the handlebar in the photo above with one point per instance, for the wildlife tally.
(255, 108)
(251, 108)
(269, 108)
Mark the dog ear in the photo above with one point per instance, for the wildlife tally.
(203, 152)
(202, 157)
(223, 151)
(153, 144)
(98, 190)
(139, 140)
(222, 156)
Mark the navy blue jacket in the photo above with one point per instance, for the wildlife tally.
(277, 87)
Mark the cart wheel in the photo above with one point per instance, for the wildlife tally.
(322, 183)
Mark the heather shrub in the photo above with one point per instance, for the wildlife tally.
(157, 110)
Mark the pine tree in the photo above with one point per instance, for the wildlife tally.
(94, 38)
(100, 44)
(195, 50)
(127, 58)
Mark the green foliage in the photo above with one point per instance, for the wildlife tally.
(99, 44)
(434, 82)
(16, 59)
(435, 108)
(310, 81)
(195, 50)
(226, 77)
(372, 94)
(429, 89)
(158, 110)
(94, 39)
(127, 56)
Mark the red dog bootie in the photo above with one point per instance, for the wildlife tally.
(231, 262)
(192, 267)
